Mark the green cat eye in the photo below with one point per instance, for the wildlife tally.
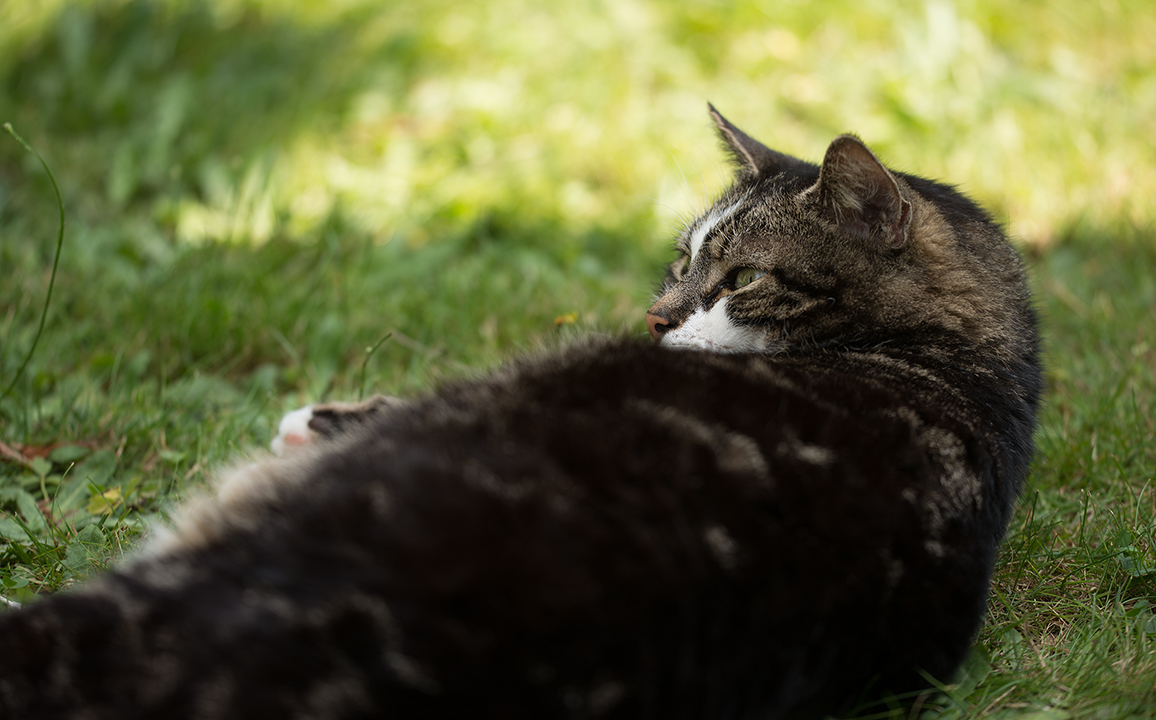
(746, 276)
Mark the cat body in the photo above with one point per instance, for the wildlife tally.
(795, 506)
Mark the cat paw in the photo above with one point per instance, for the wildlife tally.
(294, 432)
(313, 423)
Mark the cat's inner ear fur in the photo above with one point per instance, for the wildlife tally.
(752, 157)
(864, 197)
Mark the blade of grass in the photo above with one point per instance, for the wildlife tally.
(369, 351)
(55, 260)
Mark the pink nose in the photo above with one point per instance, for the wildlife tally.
(657, 325)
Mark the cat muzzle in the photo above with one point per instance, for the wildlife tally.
(658, 325)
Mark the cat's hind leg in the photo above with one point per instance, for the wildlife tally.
(293, 431)
(322, 421)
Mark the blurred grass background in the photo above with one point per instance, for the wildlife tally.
(259, 190)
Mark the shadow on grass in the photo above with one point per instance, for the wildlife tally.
(310, 309)
(144, 98)
(142, 102)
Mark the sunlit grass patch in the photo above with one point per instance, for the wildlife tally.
(241, 120)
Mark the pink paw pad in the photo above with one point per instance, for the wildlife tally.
(294, 431)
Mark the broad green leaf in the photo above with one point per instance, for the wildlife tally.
(10, 530)
(85, 552)
(66, 454)
(72, 494)
(40, 466)
(975, 668)
(1123, 539)
(13, 583)
(31, 512)
(173, 456)
(96, 468)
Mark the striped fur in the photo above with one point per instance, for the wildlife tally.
(802, 521)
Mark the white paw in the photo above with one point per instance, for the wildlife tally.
(294, 431)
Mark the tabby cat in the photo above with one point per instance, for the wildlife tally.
(787, 505)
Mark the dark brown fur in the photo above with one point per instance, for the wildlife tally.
(620, 530)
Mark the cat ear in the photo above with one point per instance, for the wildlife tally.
(749, 154)
(864, 196)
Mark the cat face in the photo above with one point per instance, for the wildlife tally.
(845, 253)
(719, 277)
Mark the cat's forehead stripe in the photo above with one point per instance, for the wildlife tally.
(713, 218)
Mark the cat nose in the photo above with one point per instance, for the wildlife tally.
(657, 324)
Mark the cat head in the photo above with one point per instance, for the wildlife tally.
(844, 253)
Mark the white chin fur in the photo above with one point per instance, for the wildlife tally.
(713, 330)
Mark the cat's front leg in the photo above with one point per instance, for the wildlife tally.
(315, 423)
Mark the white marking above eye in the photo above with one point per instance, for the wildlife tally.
(712, 219)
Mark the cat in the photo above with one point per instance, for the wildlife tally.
(786, 505)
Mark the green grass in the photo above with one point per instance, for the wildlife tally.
(257, 191)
